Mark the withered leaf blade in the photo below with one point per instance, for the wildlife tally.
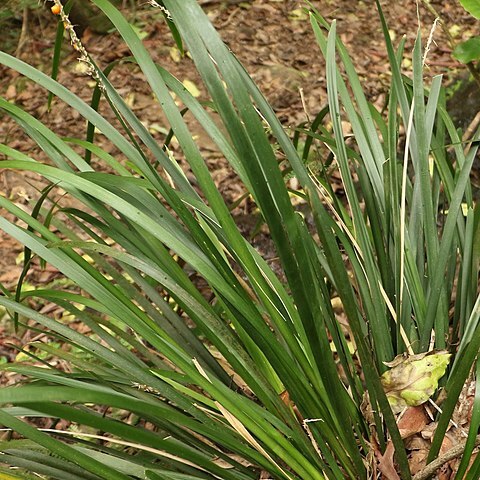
(413, 379)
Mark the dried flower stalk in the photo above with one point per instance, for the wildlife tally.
(78, 46)
(155, 4)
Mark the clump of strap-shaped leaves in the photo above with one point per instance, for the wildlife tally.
(240, 378)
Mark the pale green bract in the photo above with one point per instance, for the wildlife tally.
(413, 379)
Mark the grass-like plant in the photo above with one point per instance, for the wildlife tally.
(248, 376)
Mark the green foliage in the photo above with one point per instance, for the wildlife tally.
(11, 19)
(230, 372)
(12, 8)
(472, 7)
(468, 51)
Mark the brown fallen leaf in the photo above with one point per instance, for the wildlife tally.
(386, 463)
(413, 420)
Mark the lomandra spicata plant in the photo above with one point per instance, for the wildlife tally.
(243, 375)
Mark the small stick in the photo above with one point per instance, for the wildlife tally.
(471, 130)
(24, 32)
(432, 467)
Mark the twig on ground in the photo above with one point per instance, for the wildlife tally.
(455, 452)
(24, 32)
(471, 129)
